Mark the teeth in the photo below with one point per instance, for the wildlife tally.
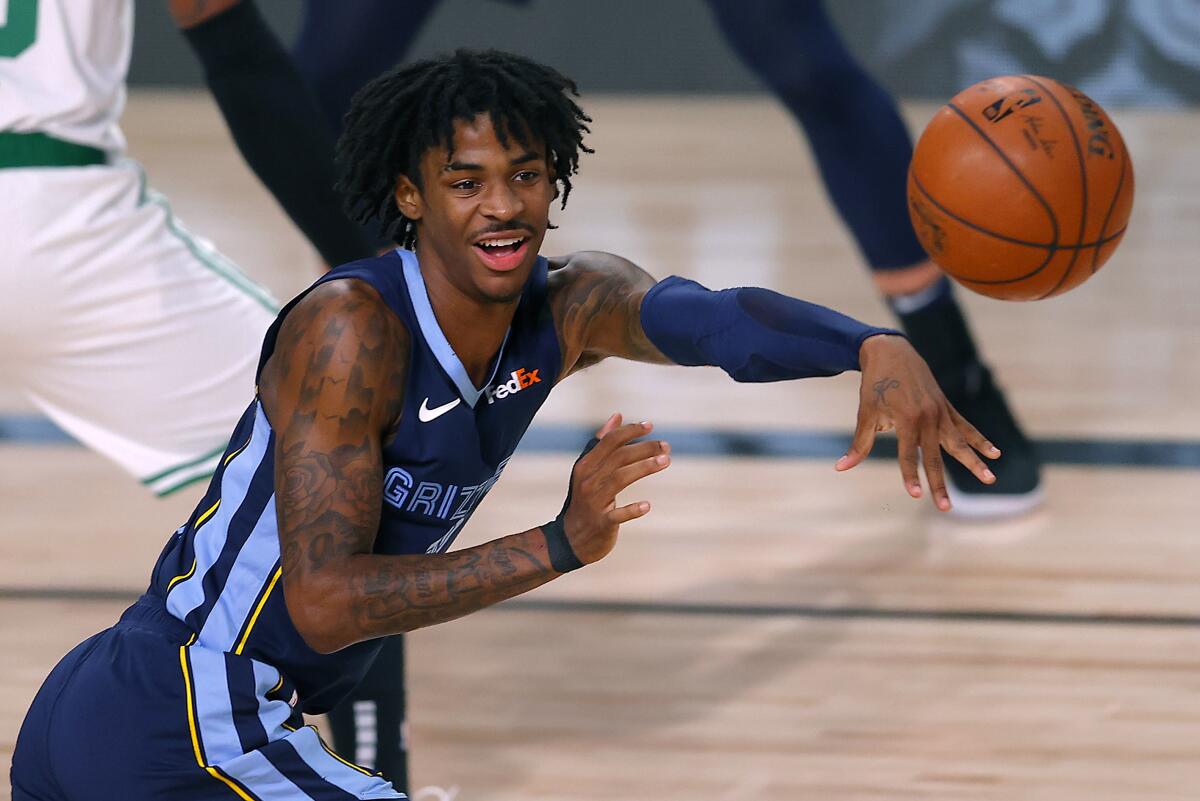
(499, 243)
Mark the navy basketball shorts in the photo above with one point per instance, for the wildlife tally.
(139, 711)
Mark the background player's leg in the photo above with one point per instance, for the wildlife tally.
(369, 725)
(342, 45)
(141, 339)
(862, 149)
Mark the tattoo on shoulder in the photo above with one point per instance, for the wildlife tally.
(597, 314)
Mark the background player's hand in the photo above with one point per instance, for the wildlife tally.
(899, 392)
(592, 516)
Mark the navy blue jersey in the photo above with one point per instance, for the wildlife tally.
(220, 573)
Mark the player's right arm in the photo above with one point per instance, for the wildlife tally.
(333, 390)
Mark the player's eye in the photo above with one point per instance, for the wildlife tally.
(527, 176)
(465, 185)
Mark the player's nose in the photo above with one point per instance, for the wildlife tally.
(500, 202)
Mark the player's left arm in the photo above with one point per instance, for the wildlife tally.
(604, 305)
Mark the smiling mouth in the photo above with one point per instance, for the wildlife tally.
(501, 247)
(502, 253)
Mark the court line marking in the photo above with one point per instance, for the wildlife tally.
(689, 609)
(762, 443)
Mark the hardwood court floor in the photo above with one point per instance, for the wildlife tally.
(773, 630)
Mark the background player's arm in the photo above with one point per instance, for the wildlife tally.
(274, 118)
(604, 305)
(333, 390)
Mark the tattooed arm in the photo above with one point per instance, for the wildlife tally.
(596, 300)
(333, 390)
(604, 306)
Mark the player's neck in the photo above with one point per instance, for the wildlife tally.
(474, 328)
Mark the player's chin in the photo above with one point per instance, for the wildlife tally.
(502, 287)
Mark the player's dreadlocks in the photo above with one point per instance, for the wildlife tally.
(395, 118)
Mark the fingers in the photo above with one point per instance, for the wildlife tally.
(860, 445)
(638, 451)
(623, 514)
(935, 471)
(959, 447)
(976, 440)
(617, 435)
(906, 446)
(615, 463)
(625, 476)
(612, 422)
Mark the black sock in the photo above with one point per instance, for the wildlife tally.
(369, 725)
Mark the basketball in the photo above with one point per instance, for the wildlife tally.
(1020, 187)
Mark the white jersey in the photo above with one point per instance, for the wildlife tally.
(63, 65)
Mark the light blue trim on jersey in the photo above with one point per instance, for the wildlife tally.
(251, 571)
(434, 337)
(255, 772)
(308, 745)
(214, 708)
(208, 541)
(272, 714)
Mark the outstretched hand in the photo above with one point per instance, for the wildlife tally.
(592, 517)
(899, 392)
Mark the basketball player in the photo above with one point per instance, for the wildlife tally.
(861, 148)
(391, 395)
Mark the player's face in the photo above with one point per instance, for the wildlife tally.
(483, 211)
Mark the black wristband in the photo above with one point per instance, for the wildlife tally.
(562, 555)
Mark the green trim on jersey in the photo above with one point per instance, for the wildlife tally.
(40, 150)
(174, 478)
(204, 254)
(20, 28)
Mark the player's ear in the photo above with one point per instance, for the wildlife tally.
(408, 198)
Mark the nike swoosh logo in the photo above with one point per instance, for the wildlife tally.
(425, 414)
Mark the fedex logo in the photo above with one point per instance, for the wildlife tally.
(520, 379)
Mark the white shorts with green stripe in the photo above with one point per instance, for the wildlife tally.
(135, 336)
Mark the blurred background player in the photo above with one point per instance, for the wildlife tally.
(118, 324)
(860, 145)
(119, 317)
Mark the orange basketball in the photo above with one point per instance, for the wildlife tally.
(1020, 187)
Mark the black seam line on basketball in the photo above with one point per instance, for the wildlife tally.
(684, 608)
(1014, 240)
(1112, 205)
(1050, 252)
(1051, 248)
(1082, 180)
(1016, 171)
